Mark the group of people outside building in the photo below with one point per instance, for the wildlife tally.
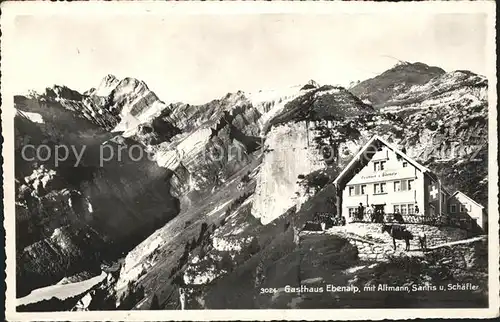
(377, 214)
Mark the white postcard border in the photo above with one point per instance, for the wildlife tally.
(12, 9)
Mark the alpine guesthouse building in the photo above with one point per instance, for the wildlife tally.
(382, 177)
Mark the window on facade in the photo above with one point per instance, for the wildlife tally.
(462, 208)
(378, 165)
(351, 191)
(405, 209)
(405, 164)
(410, 184)
(397, 185)
(453, 209)
(363, 189)
(379, 188)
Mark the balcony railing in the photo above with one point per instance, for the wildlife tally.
(438, 220)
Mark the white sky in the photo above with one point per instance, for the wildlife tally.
(198, 58)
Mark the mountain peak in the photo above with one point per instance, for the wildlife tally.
(310, 85)
(313, 82)
(62, 92)
(109, 78)
(416, 66)
(403, 75)
(130, 81)
(107, 84)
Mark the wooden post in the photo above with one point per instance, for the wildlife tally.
(338, 201)
(440, 196)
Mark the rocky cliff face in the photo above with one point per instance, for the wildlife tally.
(72, 212)
(215, 140)
(242, 172)
(277, 179)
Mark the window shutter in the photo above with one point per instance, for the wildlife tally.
(404, 185)
(356, 189)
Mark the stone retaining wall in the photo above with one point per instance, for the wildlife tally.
(438, 235)
(375, 245)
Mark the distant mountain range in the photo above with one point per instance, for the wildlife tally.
(146, 211)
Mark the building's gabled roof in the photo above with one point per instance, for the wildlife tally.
(472, 200)
(374, 139)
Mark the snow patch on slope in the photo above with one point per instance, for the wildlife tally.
(259, 98)
(60, 291)
(108, 84)
(272, 102)
(170, 157)
(33, 117)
